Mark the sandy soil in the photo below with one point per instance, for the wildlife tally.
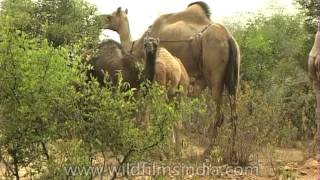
(281, 164)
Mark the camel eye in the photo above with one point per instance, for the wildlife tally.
(109, 18)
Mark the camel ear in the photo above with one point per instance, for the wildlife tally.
(119, 10)
(126, 11)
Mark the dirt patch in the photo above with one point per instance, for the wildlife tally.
(276, 164)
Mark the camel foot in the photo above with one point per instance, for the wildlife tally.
(207, 153)
(212, 131)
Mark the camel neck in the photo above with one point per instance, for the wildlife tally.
(150, 66)
(125, 36)
(137, 48)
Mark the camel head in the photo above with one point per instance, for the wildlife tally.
(114, 21)
(150, 44)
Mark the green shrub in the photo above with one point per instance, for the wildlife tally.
(47, 102)
(260, 122)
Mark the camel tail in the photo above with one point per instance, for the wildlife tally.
(231, 83)
(233, 67)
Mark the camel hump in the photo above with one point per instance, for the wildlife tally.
(204, 6)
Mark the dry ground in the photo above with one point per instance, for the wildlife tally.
(280, 164)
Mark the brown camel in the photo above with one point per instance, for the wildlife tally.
(208, 51)
(161, 66)
(314, 58)
(314, 73)
(110, 59)
(165, 69)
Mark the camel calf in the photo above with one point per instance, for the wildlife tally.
(164, 68)
(167, 70)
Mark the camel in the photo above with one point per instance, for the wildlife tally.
(208, 51)
(314, 73)
(165, 69)
(161, 66)
(111, 59)
(314, 58)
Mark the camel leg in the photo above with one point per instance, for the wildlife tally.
(316, 87)
(232, 101)
(142, 117)
(172, 91)
(219, 117)
(177, 125)
(178, 141)
(145, 120)
(215, 56)
(215, 60)
(215, 124)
